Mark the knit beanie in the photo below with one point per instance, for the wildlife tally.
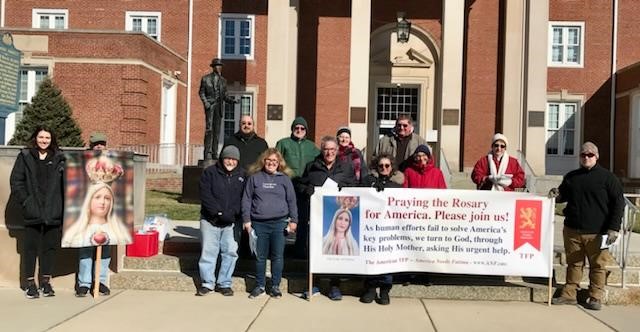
(231, 152)
(500, 137)
(299, 121)
(424, 149)
(343, 130)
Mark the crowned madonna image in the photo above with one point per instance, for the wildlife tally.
(96, 221)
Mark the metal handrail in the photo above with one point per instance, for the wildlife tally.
(620, 249)
(444, 167)
(529, 174)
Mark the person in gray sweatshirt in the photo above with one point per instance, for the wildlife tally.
(269, 209)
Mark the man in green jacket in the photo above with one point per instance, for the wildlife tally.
(298, 151)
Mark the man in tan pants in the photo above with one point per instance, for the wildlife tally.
(595, 205)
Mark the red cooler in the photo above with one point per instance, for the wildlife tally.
(144, 245)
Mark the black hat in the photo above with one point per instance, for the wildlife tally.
(343, 130)
(216, 62)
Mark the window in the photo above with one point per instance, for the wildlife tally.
(233, 112)
(147, 22)
(561, 128)
(566, 44)
(49, 18)
(395, 101)
(236, 36)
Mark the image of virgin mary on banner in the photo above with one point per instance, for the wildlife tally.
(98, 199)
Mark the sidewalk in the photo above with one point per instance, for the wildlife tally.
(131, 310)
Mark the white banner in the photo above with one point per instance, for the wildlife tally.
(361, 231)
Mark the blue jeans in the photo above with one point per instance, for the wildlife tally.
(217, 240)
(85, 267)
(270, 243)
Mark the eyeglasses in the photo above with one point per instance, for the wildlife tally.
(502, 146)
(246, 123)
(272, 161)
(384, 165)
(403, 125)
(587, 155)
(301, 128)
(329, 149)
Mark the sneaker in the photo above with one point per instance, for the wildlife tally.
(593, 304)
(225, 291)
(103, 289)
(82, 291)
(256, 292)
(314, 291)
(202, 291)
(275, 292)
(335, 294)
(369, 295)
(31, 292)
(47, 290)
(563, 300)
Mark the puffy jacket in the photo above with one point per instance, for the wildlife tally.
(221, 194)
(424, 176)
(389, 144)
(39, 207)
(297, 153)
(481, 171)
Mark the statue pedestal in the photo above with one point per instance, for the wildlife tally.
(191, 181)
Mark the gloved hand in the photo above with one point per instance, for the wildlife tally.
(612, 236)
(553, 193)
(309, 190)
(493, 179)
(340, 187)
(379, 186)
(504, 181)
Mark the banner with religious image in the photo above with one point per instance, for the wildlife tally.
(98, 198)
(361, 231)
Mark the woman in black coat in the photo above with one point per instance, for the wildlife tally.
(383, 175)
(37, 185)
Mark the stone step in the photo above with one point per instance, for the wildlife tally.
(443, 287)
(189, 262)
(614, 278)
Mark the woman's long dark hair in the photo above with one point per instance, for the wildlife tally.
(53, 146)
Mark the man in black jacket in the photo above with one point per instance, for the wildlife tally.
(593, 214)
(221, 187)
(247, 141)
(213, 92)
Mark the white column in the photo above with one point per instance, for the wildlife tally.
(282, 62)
(452, 52)
(359, 67)
(536, 85)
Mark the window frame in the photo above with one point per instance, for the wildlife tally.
(237, 112)
(145, 15)
(221, 38)
(563, 120)
(565, 25)
(36, 13)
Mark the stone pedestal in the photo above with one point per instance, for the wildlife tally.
(191, 184)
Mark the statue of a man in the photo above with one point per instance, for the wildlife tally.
(213, 93)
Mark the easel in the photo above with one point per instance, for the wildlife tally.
(96, 275)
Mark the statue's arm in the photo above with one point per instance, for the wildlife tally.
(203, 92)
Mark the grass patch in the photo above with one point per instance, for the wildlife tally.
(167, 202)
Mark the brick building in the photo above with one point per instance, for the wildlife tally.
(539, 71)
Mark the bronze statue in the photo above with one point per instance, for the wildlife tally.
(213, 93)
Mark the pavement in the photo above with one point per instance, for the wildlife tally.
(135, 310)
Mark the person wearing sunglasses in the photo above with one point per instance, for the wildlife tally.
(247, 141)
(383, 174)
(401, 142)
(497, 170)
(592, 218)
(422, 172)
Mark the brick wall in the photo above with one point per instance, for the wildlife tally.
(480, 101)
(169, 182)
